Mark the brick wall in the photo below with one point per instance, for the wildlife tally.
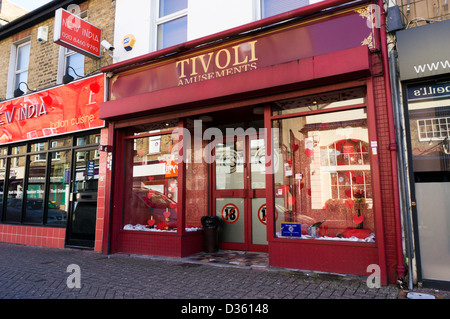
(434, 10)
(43, 65)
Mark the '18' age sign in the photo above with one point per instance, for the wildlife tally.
(76, 34)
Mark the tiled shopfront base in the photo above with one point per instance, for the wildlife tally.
(33, 236)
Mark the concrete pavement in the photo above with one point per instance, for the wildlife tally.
(45, 273)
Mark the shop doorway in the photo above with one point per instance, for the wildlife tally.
(83, 199)
(239, 192)
(428, 117)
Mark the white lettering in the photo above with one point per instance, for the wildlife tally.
(433, 66)
(209, 310)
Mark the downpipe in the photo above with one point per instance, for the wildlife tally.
(405, 191)
(400, 268)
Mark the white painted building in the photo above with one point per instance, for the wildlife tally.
(156, 24)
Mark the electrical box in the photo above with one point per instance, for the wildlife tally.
(394, 19)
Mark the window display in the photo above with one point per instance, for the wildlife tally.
(151, 182)
(323, 185)
(35, 179)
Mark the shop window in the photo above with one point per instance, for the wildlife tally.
(150, 192)
(273, 7)
(59, 190)
(35, 195)
(320, 102)
(34, 191)
(3, 153)
(39, 147)
(13, 213)
(88, 140)
(429, 122)
(171, 23)
(323, 175)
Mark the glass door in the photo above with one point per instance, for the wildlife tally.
(429, 127)
(83, 213)
(239, 193)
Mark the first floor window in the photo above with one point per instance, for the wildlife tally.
(74, 63)
(171, 23)
(21, 65)
(273, 7)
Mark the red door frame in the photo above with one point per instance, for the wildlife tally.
(247, 193)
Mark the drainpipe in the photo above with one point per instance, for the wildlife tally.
(405, 191)
(392, 145)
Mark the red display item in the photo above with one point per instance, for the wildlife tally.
(359, 233)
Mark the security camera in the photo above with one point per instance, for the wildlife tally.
(108, 46)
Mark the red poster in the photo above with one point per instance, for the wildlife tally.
(64, 109)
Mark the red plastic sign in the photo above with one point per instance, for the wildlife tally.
(64, 109)
(76, 34)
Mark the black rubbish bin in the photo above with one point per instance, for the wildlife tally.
(210, 233)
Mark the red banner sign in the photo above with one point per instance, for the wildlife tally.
(76, 34)
(60, 110)
(334, 32)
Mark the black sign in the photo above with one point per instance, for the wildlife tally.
(424, 51)
(431, 91)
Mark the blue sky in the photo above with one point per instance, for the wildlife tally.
(30, 4)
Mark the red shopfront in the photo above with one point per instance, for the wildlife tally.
(51, 170)
(191, 133)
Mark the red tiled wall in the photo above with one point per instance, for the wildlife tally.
(55, 237)
(385, 168)
(99, 228)
(33, 236)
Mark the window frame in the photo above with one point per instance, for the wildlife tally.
(21, 71)
(11, 82)
(367, 105)
(132, 137)
(29, 152)
(158, 21)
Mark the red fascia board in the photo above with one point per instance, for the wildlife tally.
(343, 64)
(309, 9)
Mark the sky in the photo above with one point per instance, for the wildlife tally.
(29, 5)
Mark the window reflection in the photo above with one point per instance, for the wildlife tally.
(15, 189)
(59, 187)
(151, 183)
(34, 208)
(429, 121)
(323, 176)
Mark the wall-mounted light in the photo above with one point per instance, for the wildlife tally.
(18, 92)
(67, 78)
